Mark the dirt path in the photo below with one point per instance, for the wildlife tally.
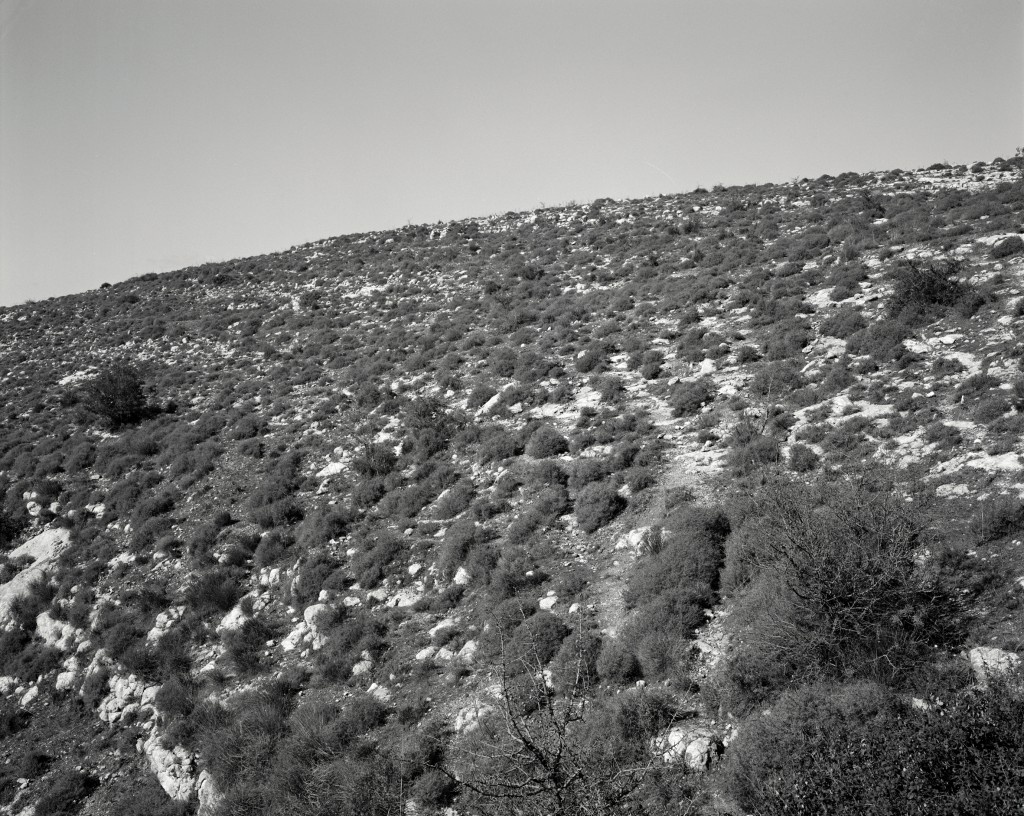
(687, 466)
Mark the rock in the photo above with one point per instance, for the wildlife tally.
(698, 747)
(639, 540)
(468, 718)
(462, 577)
(467, 654)
(43, 550)
(65, 681)
(426, 653)
(987, 662)
(8, 684)
(270, 576)
(233, 620)
(362, 667)
(29, 696)
(208, 795)
(547, 602)
(318, 613)
(174, 768)
(445, 654)
(333, 469)
(295, 637)
(55, 633)
(378, 691)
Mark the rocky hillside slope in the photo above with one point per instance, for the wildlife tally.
(535, 513)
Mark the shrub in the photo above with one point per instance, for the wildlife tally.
(617, 664)
(843, 323)
(66, 793)
(690, 396)
(1007, 247)
(116, 394)
(857, 749)
(883, 340)
(802, 459)
(535, 641)
(776, 378)
(480, 395)
(837, 592)
(919, 290)
(245, 645)
(545, 442)
(455, 500)
(597, 504)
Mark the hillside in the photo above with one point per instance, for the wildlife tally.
(624, 507)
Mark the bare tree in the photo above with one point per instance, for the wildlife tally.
(540, 753)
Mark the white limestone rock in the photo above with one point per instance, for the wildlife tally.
(988, 663)
(175, 768)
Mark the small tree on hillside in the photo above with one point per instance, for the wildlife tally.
(116, 394)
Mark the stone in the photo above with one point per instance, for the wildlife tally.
(468, 718)
(988, 663)
(174, 768)
(468, 651)
(547, 602)
(208, 795)
(58, 634)
(362, 667)
(426, 653)
(462, 577)
(233, 620)
(317, 613)
(29, 696)
(65, 681)
(43, 550)
(696, 746)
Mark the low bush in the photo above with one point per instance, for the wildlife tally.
(597, 504)
(116, 394)
(546, 442)
(858, 748)
(66, 793)
(1011, 245)
(690, 396)
(844, 322)
(920, 291)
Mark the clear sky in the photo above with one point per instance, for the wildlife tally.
(139, 136)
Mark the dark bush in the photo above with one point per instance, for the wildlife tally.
(919, 290)
(690, 396)
(829, 749)
(1008, 246)
(837, 590)
(116, 394)
(844, 322)
(66, 793)
(597, 504)
(545, 442)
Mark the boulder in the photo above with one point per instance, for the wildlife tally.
(468, 718)
(58, 634)
(317, 614)
(174, 768)
(208, 795)
(696, 746)
(987, 662)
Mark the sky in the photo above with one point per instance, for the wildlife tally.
(142, 135)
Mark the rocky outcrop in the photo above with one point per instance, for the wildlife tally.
(989, 663)
(697, 746)
(175, 768)
(42, 550)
